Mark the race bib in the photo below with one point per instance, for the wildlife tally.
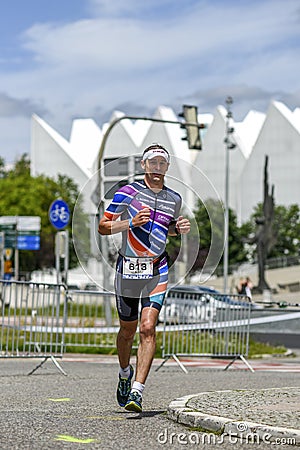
(137, 268)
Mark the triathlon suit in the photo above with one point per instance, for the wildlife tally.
(142, 268)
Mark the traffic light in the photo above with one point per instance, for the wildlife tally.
(190, 115)
(229, 144)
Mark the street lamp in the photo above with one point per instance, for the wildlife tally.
(229, 146)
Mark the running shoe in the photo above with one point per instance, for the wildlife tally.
(124, 387)
(134, 402)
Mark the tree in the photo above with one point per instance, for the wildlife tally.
(287, 226)
(22, 166)
(211, 215)
(24, 195)
(2, 168)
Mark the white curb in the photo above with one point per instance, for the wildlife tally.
(180, 412)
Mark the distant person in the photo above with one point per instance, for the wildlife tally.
(149, 212)
(248, 287)
(241, 287)
(245, 287)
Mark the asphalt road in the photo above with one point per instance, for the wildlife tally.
(47, 410)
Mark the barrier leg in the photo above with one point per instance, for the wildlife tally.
(38, 366)
(165, 360)
(231, 362)
(244, 361)
(180, 364)
(176, 359)
(55, 362)
(43, 362)
(247, 363)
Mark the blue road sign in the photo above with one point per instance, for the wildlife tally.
(28, 242)
(59, 214)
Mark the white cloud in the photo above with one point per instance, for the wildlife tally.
(126, 43)
(158, 52)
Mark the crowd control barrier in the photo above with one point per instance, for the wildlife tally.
(41, 320)
(32, 321)
(198, 324)
(91, 320)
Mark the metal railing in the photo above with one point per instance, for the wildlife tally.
(32, 321)
(200, 324)
(91, 320)
(41, 320)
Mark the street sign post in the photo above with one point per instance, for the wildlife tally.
(19, 233)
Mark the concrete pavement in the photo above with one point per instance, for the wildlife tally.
(48, 410)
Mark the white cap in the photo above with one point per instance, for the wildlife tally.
(158, 151)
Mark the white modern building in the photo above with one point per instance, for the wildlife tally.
(193, 173)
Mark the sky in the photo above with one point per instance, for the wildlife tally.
(68, 59)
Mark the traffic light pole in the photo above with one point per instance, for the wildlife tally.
(151, 119)
(229, 146)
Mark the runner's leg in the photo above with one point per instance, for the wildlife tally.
(147, 345)
(151, 307)
(124, 341)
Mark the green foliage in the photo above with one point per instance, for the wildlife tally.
(287, 226)
(24, 195)
(211, 214)
(257, 349)
(237, 253)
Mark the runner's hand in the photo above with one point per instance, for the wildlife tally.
(183, 225)
(141, 218)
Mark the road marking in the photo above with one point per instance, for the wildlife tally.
(66, 438)
(64, 399)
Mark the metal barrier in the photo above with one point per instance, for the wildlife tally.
(200, 324)
(32, 321)
(41, 320)
(91, 321)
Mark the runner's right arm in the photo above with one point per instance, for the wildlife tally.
(109, 225)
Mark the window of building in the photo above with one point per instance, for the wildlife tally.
(111, 187)
(115, 167)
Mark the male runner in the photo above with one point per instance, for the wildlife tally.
(148, 212)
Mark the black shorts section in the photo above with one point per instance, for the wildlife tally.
(130, 292)
(128, 308)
